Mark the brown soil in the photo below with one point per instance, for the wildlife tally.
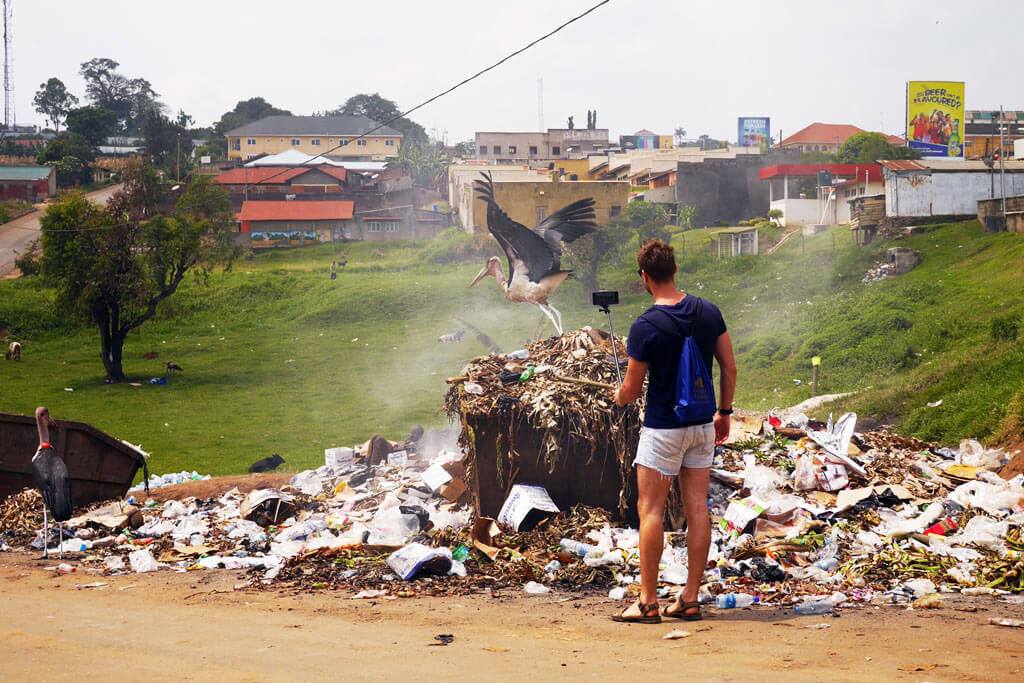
(218, 486)
(189, 626)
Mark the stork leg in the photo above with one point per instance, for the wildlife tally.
(46, 534)
(551, 316)
(558, 315)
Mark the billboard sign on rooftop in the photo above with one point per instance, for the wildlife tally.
(755, 131)
(935, 118)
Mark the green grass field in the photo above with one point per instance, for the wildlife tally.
(279, 358)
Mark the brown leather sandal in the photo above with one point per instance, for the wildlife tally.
(680, 611)
(649, 614)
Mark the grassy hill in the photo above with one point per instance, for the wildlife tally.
(279, 358)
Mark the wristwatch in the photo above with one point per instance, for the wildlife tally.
(725, 411)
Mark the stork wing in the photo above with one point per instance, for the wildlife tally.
(568, 223)
(517, 240)
(50, 475)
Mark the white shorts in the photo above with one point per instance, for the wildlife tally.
(669, 450)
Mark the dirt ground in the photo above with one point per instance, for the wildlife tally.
(196, 626)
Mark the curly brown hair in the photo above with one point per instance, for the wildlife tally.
(657, 259)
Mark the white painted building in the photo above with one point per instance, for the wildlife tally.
(938, 187)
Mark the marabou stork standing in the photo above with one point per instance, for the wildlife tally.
(50, 475)
(534, 267)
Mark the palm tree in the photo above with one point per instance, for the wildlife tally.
(680, 135)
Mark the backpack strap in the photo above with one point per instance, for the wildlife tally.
(677, 332)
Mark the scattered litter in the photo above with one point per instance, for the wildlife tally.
(1010, 623)
(676, 634)
(94, 584)
(534, 588)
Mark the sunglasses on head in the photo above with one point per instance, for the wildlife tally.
(640, 271)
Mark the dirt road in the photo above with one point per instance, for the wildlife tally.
(16, 235)
(194, 626)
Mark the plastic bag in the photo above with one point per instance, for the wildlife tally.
(822, 473)
(996, 498)
(142, 561)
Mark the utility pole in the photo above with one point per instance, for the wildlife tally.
(177, 163)
(9, 118)
(1002, 167)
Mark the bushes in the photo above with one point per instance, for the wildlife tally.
(455, 245)
(1005, 327)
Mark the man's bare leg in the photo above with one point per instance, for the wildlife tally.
(693, 483)
(653, 489)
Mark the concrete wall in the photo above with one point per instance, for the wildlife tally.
(661, 195)
(376, 147)
(922, 194)
(528, 203)
(798, 212)
(462, 176)
(726, 190)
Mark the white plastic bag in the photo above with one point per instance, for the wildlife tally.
(142, 561)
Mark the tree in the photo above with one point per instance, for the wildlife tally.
(113, 266)
(247, 111)
(95, 124)
(128, 98)
(680, 135)
(382, 110)
(647, 219)
(162, 139)
(425, 163)
(53, 101)
(71, 154)
(587, 254)
(465, 149)
(867, 148)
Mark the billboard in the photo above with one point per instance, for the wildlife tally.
(755, 131)
(935, 118)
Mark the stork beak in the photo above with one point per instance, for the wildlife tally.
(479, 276)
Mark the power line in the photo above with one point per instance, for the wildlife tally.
(454, 87)
(403, 114)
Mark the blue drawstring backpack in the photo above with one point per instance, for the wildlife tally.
(695, 392)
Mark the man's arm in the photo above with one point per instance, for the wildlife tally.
(633, 384)
(727, 384)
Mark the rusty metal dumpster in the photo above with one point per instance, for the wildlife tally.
(101, 467)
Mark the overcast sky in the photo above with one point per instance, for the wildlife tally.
(657, 64)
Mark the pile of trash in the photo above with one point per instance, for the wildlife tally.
(879, 272)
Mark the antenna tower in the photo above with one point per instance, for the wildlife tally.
(540, 104)
(9, 118)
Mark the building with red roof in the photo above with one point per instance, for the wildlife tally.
(827, 137)
(269, 223)
(269, 180)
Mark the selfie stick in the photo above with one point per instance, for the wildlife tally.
(608, 312)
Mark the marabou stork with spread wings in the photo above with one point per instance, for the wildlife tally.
(534, 267)
(50, 475)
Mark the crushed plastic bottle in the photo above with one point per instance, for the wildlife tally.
(735, 600)
(575, 547)
(552, 567)
(814, 607)
(460, 553)
(65, 568)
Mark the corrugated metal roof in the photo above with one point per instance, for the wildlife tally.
(312, 125)
(947, 165)
(25, 172)
(274, 175)
(297, 210)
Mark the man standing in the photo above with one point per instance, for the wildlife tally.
(669, 448)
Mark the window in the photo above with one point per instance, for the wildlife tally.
(383, 226)
(251, 141)
(512, 150)
(533, 150)
(315, 142)
(496, 149)
(483, 150)
(389, 142)
(296, 142)
(556, 150)
(361, 142)
(236, 144)
(614, 211)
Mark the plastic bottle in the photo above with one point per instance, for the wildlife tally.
(65, 568)
(519, 354)
(736, 600)
(828, 564)
(552, 567)
(814, 607)
(460, 553)
(575, 547)
(527, 374)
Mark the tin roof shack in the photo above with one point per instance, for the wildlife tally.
(558, 429)
(866, 213)
(28, 183)
(737, 242)
(990, 214)
(944, 189)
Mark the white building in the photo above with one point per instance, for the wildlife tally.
(940, 187)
